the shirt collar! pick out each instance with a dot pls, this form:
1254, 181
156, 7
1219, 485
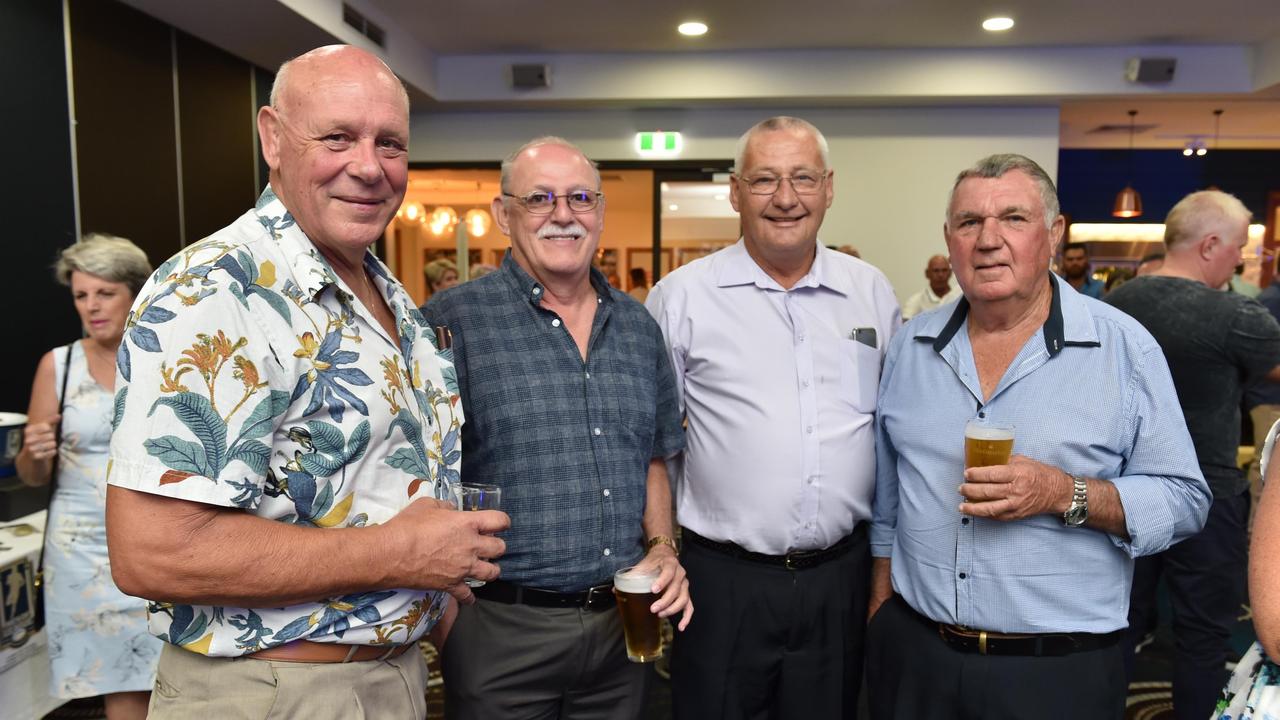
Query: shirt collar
740, 269
526, 286
1069, 323
311, 271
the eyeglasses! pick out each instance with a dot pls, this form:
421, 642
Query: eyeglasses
541, 202
806, 182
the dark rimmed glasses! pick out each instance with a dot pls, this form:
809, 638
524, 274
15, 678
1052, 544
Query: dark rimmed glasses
543, 202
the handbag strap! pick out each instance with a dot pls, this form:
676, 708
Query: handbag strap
53, 468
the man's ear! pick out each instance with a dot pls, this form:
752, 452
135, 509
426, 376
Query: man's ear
498, 209
269, 129
1207, 245
1056, 231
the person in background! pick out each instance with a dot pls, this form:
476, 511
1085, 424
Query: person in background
776, 343
571, 410
441, 275
607, 262
850, 251
1001, 589
1076, 271
1117, 277
479, 270
938, 291
98, 639
1239, 285
639, 285
283, 470
1150, 263
1216, 343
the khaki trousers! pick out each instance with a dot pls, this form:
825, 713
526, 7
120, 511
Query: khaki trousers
190, 686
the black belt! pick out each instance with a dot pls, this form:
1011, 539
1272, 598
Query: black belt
983, 642
599, 597
795, 560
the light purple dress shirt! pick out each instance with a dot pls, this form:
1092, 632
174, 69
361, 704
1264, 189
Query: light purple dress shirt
779, 391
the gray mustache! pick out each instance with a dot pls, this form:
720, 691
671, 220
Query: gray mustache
574, 229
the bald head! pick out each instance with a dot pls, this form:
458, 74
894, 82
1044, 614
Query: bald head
297, 74
529, 151
938, 273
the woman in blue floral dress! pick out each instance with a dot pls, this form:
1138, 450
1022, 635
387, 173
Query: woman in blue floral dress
1253, 692
98, 638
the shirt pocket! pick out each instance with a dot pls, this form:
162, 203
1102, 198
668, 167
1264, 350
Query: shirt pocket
859, 374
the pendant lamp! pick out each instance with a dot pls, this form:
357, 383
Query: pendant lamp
1128, 201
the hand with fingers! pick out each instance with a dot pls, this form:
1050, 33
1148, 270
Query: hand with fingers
439, 546
1023, 488
672, 585
39, 439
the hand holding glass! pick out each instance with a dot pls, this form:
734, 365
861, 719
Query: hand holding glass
474, 496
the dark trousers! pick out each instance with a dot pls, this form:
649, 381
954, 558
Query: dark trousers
530, 663
771, 643
1205, 575
912, 674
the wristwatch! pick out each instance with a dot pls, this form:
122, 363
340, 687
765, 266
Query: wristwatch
1079, 510
657, 540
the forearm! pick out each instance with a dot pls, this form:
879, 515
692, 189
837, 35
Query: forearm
657, 518
1264, 553
173, 550
1106, 512
881, 584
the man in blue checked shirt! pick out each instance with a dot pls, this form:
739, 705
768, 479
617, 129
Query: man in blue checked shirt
1002, 591
571, 408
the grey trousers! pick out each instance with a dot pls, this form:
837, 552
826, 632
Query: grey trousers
190, 686
520, 662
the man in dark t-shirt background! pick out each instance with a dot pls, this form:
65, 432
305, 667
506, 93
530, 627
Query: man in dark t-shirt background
1216, 343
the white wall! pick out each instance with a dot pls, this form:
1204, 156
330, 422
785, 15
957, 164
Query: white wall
893, 166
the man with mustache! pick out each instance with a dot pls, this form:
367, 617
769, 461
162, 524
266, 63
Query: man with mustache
571, 410
777, 343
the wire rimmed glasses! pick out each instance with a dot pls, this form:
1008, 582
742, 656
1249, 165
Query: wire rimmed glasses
543, 202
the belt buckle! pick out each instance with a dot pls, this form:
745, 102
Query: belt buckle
982, 642
597, 597
791, 560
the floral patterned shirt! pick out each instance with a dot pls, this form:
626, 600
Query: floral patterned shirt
251, 377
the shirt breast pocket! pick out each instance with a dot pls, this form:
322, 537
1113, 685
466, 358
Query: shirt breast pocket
859, 374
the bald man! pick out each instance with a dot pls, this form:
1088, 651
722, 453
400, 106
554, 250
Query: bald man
937, 292
287, 433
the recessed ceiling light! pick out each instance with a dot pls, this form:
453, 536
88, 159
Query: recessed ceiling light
692, 29
722, 197
997, 24
673, 207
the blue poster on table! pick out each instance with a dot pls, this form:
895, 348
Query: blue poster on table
17, 603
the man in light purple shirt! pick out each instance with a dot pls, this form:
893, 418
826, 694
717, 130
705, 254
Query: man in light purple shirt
777, 344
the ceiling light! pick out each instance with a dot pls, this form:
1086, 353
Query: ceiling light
1201, 151
997, 24
1187, 150
692, 29
673, 207
722, 196
1128, 201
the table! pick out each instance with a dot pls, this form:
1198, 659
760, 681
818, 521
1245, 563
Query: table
24, 670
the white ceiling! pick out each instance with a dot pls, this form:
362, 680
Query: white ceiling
817, 53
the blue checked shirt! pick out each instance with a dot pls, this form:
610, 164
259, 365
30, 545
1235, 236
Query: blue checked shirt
569, 441
1089, 393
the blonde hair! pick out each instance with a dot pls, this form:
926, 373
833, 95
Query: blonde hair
109, 257
1201, 213
436, 269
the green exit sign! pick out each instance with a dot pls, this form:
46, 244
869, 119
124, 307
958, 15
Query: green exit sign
659, 143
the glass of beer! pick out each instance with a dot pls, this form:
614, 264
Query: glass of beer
987, 443
475, 496
640, 627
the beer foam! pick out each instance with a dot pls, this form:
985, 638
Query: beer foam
629, 581
987, 432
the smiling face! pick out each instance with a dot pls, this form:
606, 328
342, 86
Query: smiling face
103, 307
337, 147
559, 246
1000, 247
784, 223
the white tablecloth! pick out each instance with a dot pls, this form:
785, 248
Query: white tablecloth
24, 670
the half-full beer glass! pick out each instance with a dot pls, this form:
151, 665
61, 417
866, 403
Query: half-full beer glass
987, 443
639, 626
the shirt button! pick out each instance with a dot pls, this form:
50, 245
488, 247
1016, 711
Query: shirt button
606, 492
804, 383
607, 551
537, 291
595, 431
962, 575
588, 376
809, 429
800, 338
555, 323
964, 521
812, 481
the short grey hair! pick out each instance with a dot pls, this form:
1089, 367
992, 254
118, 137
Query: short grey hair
281, 80
1200, 214
781, 122
509, 161
111, 258
996, 166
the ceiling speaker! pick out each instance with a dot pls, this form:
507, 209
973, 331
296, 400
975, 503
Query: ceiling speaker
529, 77
1150, 70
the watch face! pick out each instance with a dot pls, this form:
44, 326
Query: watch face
1076, 516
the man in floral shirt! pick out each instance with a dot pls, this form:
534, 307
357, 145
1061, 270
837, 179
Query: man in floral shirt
286, 431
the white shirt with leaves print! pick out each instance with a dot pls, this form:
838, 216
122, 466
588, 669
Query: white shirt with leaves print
251, 377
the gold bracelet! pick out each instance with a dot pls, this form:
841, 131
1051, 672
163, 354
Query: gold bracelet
657, 540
